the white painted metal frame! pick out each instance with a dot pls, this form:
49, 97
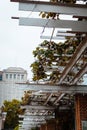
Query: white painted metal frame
38, 6
63, 34
79, 74
54, 88
37, 107
48, 98
76, 55
61, 95
78, 26
36, 116
54, 37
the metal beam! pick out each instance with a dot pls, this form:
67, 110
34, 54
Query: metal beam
64, 34
60, 36
77, 32
48, 98
79, 74
54, 38
59, 98
54, 88
28, 125
80, 17
73, 59
32, 121
80, 26
61, 8
36, 116
37, 107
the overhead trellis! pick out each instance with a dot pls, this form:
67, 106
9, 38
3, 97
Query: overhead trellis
62, 7
55, 60
60, 65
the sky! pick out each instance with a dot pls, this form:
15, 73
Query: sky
16, 42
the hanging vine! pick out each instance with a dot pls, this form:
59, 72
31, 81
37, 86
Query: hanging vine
51, 56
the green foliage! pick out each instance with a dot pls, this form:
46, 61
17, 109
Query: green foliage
50, 55
48, 15
26, 97
38, 70
16, 128
13, 109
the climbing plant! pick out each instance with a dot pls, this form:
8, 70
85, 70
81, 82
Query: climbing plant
51, 58
26, 97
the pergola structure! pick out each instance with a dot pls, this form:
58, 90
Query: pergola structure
45, 98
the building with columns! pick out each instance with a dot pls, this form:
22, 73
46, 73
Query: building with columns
14, 74
9, 78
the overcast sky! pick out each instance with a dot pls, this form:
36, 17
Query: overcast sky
16, 42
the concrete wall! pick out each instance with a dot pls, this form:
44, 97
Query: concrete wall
9, 91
